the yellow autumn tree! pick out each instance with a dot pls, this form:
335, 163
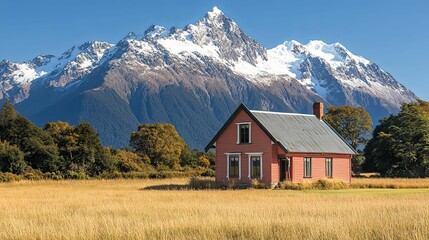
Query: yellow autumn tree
129, 161
160, 143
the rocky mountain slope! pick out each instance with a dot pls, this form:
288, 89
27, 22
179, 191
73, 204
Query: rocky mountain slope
194, 78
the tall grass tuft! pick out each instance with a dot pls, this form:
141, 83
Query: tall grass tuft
394, 183
321, 184
202, 183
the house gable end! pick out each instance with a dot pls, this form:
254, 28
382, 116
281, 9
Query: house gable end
240, 108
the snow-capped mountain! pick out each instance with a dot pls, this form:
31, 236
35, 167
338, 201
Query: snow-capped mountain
194, 78
16, 78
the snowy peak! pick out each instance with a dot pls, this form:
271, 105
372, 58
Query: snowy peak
216, 30
155, 31
215, 12
292, 46
72, 64
215, 17
215, 36
335, 54
131, 35
42, 60
76, 62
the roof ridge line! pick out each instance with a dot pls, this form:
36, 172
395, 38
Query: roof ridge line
282, 113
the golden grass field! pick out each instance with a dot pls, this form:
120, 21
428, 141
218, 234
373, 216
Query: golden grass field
120, 209
390, 183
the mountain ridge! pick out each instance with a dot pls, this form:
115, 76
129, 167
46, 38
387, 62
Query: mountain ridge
204, 70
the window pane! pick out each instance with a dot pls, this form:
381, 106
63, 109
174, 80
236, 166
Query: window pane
307, 167
329, 167
255, 162
244, 133
233, 166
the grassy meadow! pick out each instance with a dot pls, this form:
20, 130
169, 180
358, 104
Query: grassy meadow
123, 209
390, 183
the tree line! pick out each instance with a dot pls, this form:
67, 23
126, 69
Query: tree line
398, 146
63, 151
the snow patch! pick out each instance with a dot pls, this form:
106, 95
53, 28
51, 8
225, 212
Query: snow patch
25, 73
182, 43
214, 12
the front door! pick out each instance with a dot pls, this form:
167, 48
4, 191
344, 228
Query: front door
284, 168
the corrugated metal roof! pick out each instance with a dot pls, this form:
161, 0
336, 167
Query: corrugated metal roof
302, 133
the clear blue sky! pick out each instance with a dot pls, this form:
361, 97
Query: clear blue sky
391, 33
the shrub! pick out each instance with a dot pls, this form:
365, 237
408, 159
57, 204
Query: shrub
202, 183
209, 183
53, 176
208, 173
204, 161
322, 184
258, 184
76, 175
33, 176
129, 161
9, 177
135, 175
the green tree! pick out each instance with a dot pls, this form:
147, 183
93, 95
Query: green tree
80, 148
65, 137
106, 163
400, 144
90, 155
354, 124
188, 157
39, 149
7, 113
11, 158
160, 143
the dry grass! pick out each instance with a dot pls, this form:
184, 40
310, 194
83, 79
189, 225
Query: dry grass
390, 183
120, 209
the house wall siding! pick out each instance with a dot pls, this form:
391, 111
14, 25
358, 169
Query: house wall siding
275, 168
341, 168
227, 143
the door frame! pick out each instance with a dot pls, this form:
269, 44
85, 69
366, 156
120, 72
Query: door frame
284, 168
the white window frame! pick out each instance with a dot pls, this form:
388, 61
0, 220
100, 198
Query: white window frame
227, 164
238, 131
257, 154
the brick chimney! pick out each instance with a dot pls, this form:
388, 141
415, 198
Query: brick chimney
318, 109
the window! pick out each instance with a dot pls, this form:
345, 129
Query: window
234, 166
307, 167
328, 167
243, 133
255, 166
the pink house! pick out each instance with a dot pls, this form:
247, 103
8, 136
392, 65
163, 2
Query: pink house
273, 147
